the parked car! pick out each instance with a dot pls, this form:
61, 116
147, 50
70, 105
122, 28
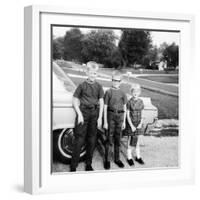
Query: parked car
63, 115
153, 66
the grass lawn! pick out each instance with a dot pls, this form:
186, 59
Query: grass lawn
109, 71
167, 105
162, 79
142, 81
136, 71
71, 71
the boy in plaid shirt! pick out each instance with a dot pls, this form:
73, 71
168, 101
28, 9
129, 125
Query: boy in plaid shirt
134, 126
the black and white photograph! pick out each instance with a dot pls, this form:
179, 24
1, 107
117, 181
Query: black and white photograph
115, 99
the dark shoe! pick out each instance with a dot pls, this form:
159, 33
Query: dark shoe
119, 163
139, 160
130, 162
107, 165
72, 169
89, 168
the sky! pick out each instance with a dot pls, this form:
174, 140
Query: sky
158, 37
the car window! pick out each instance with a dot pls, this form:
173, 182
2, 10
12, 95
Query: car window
65, 81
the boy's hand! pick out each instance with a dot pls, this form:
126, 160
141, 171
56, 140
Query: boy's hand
99, 123
139, 126
133, 128
105, 126
123, 125
80, 119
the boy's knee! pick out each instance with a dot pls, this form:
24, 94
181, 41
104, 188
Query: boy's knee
78, 141
117, 142
108, 142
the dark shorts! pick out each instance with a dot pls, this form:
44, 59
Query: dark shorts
134, 140
129, 132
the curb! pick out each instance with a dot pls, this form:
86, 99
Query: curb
160, 91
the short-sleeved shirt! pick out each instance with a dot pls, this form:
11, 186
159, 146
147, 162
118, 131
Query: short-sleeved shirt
89, 93
135, 106
115, 99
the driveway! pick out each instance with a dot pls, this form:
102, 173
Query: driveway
157, 152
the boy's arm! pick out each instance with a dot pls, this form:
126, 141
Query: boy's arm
129, 120
76, 103
141, 122
124, 121
105, 125
99, 122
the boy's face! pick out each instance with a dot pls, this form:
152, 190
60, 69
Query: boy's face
116, 81
136, 92
92, 74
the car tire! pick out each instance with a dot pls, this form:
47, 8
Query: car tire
63, 140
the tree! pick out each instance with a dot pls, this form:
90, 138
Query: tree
151, 56
58, 48
73, 45
98, 45
171, 53
134, 45
115, 59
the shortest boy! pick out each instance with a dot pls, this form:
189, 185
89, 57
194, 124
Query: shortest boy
114, 119
133, 128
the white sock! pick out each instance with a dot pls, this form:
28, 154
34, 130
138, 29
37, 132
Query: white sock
129, 153
137, 151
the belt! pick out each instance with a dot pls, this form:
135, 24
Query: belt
115, 111
94, 107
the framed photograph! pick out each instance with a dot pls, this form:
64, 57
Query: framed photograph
106, 99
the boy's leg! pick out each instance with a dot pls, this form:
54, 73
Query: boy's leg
136, 144
129, 152
80, 131
108, 149
91, 136
109, 138
109, 141
117, 136
129, 148
117, 146
137, 151
117, 140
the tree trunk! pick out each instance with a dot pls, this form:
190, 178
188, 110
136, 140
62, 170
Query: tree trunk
124, 63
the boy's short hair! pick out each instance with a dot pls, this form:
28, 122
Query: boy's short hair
92, 65
116, 73
135, 86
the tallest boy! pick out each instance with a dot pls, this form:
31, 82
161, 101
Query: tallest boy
88, 104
